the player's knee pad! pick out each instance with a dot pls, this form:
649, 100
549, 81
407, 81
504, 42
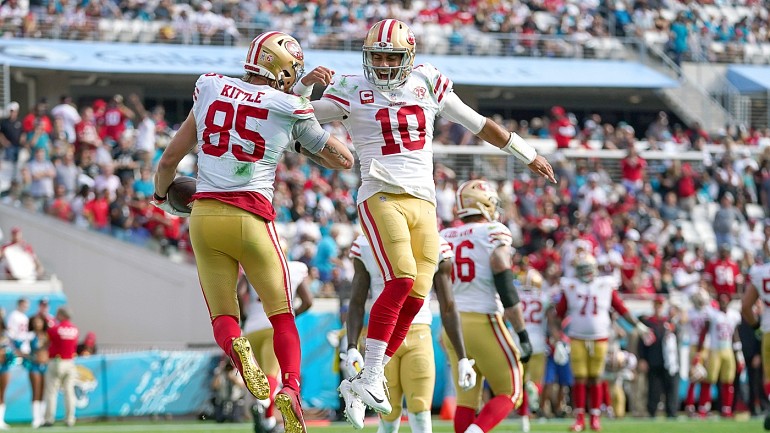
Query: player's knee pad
406, 266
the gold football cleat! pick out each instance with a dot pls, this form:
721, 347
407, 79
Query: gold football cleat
255, 378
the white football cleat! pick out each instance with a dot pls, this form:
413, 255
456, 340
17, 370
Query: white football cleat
369, 385
525, 424
355, 411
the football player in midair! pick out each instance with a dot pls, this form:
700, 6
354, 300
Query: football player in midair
485, 297
411, 373
587, 300
389, 112
259, 331
759, 288
241, 127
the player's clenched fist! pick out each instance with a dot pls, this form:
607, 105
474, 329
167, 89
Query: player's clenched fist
320, 75
466, 374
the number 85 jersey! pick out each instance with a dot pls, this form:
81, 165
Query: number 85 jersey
392, 130
243, 130
588, 306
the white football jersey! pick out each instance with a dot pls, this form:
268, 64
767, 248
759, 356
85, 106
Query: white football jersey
722, 327
243, 130
696, 320
392, 131
534, 304
256, 319
588, 307
473, 281
759, 275
362, 250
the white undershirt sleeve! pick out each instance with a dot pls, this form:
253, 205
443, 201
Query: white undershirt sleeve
327, 111
457, 111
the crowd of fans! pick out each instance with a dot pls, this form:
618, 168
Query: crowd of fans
731, 31
92, 166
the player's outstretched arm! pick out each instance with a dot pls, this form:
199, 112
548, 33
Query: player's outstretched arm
182, 143
488, 130
450, 318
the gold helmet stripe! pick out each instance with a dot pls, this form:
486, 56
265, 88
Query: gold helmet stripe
256, 48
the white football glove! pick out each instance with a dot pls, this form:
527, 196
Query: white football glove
163, 203
352, 362
466, 375
561, 353
648, 337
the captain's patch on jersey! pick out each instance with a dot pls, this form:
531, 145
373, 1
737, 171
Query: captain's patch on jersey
367, 96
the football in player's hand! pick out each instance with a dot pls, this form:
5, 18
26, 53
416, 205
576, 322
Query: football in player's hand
180, 193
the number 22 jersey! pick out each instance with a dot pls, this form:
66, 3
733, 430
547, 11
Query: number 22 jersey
392, 130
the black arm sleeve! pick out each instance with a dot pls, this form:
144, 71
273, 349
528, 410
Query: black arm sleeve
504, 285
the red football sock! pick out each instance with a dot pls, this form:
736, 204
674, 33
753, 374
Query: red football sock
767, 390
496, 410
579, 400
595, 393
728, 396
287, 348
606, 397
226, 330
464, 417
690, 399
273, 381
705, 396
524, 408
410, 309
385, 311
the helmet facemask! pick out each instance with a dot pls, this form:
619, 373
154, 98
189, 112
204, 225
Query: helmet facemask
388, 37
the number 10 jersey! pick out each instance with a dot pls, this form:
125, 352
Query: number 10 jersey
392, 130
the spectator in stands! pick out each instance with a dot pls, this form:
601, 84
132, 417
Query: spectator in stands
88, 346
21, 262
723, 274
61, 372
327, 253
115, 117
659, 359
561, 128
67, 173
69, 115
42, 173
38, 116
633, 170
10, 132
679, 36
726, 220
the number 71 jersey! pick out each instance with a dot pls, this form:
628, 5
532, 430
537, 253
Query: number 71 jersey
392, 130
588, 306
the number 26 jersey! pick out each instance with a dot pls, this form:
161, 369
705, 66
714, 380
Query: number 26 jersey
392, 130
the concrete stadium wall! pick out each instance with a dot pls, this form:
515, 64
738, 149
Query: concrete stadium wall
126, 294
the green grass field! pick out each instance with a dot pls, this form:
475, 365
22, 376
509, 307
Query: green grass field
560, 426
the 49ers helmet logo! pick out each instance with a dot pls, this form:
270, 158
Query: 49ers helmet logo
410, 37
294, 50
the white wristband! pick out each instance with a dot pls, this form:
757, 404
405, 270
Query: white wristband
302, 90
519, 148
